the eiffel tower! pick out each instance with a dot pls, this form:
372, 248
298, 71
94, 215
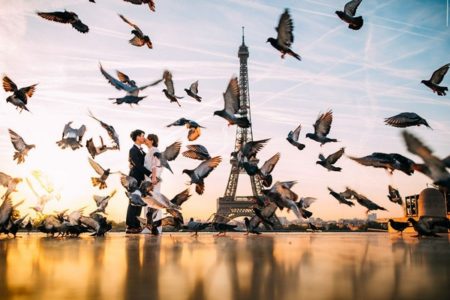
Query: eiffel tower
231, 206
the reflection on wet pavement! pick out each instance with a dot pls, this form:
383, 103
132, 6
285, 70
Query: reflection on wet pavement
271, 266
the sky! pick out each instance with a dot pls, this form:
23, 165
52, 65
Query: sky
363, 76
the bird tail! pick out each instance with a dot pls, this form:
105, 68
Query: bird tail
19, 156
200, 188
300, 146
98, 182
243, 122
298, 57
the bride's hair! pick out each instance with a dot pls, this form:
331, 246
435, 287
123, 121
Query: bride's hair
153, 138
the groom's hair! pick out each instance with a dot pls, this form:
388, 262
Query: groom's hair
154, 139
135, 133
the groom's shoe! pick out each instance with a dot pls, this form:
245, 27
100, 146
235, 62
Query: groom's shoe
133, 230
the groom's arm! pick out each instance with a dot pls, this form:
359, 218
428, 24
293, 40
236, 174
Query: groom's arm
135, 158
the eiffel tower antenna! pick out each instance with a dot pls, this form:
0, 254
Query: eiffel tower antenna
230, 205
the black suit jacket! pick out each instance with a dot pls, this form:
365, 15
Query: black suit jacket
136, 159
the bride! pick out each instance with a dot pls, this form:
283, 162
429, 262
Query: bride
153, 164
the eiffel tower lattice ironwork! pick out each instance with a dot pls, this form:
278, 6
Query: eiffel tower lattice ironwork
231, 206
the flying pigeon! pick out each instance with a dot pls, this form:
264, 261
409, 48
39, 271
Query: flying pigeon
399, 226
67, 17
328, 163
42, 199
364, 201
99, 181
193, 91
265, 171
159, 201
390, 162
248, 151
198, 174
9, 183
293, 138
348, 15
151, 3
434, 167
322, 129
94, 150
282, 195
303, 204
71, 137
194, 128
109, 129
285, 36
196, 152
169, 91
436, 79
139, 38
232, 106
394, 196
341, 199
102, 202
406, 119
135, 198
21, 147
169, 154
19, 98
129, 86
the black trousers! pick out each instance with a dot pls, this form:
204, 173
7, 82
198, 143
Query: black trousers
132, 213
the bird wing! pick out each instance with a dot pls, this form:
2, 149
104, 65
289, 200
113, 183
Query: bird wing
268, 166
9, 85
296, 133
194, 87
172, 151
231, 96
252, 148
207, 166
131, 24
439, 74
57, 16
128, 182
415, 146
446, 161
307, 201
323, 124
5, 210
80, 26
80, 132
167, 76
123, 77
192, 154
198, 148
98, 199
403, 119
350, 7
335, 156
96, 166
181, 197
67, 129
17, 141
285, 28
29, 90
114, 82
194, 133
150, 84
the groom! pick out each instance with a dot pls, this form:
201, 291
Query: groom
138, 171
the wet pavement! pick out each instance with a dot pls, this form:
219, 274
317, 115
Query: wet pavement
271, 266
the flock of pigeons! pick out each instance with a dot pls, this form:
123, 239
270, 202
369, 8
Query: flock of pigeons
275, 195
